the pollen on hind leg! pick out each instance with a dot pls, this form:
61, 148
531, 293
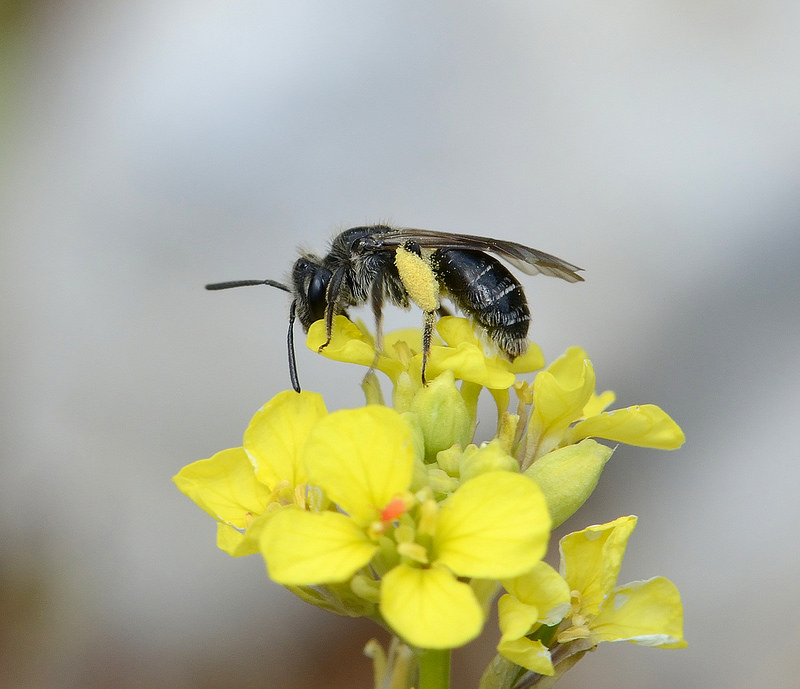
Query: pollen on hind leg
418, 279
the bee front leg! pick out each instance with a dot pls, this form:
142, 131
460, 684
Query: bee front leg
290, 346
331, 298
376, 300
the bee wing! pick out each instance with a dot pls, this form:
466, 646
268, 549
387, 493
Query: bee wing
529, 261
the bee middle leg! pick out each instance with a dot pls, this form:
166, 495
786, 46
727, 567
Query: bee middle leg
376, 301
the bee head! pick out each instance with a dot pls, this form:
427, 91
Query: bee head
310, 281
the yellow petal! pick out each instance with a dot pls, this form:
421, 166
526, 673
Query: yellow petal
455, 330
543, 588
468, 362
591, 559
237, 543
527, 653
411, 337
313, 548
598, 403
350, 344
230, 539
643, 612
643, 425
277, 433
495, 525
361, 458
430, 608
532, 360
465, 356
560, 393
501, 400
225, 486
515, 618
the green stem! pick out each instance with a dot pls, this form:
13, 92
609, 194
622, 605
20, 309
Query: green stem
434, 669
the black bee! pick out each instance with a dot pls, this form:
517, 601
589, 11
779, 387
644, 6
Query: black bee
379, 263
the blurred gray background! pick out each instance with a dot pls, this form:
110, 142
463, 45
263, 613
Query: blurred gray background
151, 147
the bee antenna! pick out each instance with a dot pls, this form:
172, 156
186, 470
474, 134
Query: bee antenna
290, 345
247, 283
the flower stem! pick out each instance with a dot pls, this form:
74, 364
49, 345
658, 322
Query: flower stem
434, 669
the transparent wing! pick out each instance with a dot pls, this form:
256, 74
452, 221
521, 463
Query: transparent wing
530, 261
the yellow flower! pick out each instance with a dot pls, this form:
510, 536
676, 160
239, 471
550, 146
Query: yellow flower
493, 525
564, 394
462, 354
419, 554
352, 343
539, 598
363, 460
242, 486
585, 599
643, 612
486, 368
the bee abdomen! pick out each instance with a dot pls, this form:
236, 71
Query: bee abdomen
485, 290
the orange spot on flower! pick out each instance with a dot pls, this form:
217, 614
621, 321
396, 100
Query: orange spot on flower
393, 510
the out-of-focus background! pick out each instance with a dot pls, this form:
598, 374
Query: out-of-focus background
150, 147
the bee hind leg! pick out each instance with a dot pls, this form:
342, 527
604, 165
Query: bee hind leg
427, 333
376, 300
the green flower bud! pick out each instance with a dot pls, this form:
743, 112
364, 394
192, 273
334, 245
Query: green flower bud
449, 460
372, 388
440, 482
568, 475
507, 430
442, 415
337, 598
404, 390
490, 457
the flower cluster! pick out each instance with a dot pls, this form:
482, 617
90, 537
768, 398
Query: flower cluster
391, 512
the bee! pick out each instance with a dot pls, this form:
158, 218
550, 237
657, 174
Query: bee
379, 263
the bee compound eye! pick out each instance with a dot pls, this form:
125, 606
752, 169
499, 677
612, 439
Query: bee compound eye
317, 287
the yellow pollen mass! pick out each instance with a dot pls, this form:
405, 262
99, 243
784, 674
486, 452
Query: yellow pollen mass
418, 279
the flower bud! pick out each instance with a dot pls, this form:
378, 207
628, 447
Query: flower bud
449, 460
568, 475
490, 457
404, 390
439, 481
442, 414
339, 598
